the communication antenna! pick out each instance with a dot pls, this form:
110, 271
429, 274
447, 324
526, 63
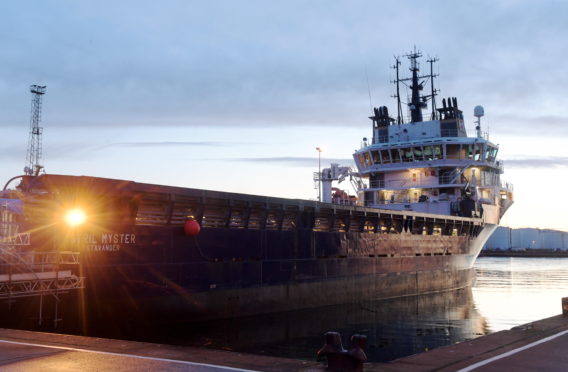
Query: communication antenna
33, 157
368, 88
396, 67
478, 112
431, 61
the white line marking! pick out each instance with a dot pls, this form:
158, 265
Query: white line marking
509, 353
129, 356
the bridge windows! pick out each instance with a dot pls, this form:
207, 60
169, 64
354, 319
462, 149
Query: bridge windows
491, 153
376, 157
367, 159
386, 156
396, 155
418, 154
361, 160
452, 151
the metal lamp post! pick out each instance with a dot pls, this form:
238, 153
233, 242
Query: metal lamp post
319, 150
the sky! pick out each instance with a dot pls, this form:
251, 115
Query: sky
236, 95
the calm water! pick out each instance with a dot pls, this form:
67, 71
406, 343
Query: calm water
508, 292
513, 291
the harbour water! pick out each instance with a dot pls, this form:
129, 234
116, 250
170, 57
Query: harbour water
508, 292
513, 291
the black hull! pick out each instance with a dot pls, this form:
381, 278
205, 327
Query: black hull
253, 255
256, 272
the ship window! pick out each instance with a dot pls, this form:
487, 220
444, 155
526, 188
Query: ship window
428, 153
407, 155
437, 152
468, 151
367, 159
452, 151
418, 155
385, 155
376, 157
397, 155
478, 151
492, 154
361, 161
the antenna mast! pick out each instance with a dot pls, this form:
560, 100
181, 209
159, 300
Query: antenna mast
33, 157
397, 96
434, 91
416, 103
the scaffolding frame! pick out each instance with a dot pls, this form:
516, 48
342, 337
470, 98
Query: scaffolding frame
28, 273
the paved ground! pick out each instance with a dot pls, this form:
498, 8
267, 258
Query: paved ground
538, 346
36, 351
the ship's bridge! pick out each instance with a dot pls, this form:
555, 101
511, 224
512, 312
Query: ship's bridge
426, 153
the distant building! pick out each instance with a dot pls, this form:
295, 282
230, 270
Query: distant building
505, 238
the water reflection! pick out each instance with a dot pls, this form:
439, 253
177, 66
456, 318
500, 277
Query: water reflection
511, 290
394, 328
508, 292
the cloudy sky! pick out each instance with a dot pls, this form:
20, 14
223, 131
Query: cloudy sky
236, 95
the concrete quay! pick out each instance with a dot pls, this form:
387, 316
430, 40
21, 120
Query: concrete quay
48, 352
535, 346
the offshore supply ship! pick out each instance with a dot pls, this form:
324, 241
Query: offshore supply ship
428, 197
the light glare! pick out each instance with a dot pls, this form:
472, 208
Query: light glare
75, 217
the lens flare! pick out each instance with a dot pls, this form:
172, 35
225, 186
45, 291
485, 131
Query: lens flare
75, 217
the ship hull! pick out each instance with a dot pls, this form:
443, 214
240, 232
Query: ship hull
252, 255
310, 269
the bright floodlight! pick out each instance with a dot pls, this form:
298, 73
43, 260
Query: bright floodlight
75, 217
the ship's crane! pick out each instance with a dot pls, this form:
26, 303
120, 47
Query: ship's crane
328, 175
33, 157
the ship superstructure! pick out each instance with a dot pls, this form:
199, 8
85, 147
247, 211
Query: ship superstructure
431, 166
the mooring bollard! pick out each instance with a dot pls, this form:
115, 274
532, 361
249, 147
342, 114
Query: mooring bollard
339, 359
565, 306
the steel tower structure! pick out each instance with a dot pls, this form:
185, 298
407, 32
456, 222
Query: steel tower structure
33, 166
